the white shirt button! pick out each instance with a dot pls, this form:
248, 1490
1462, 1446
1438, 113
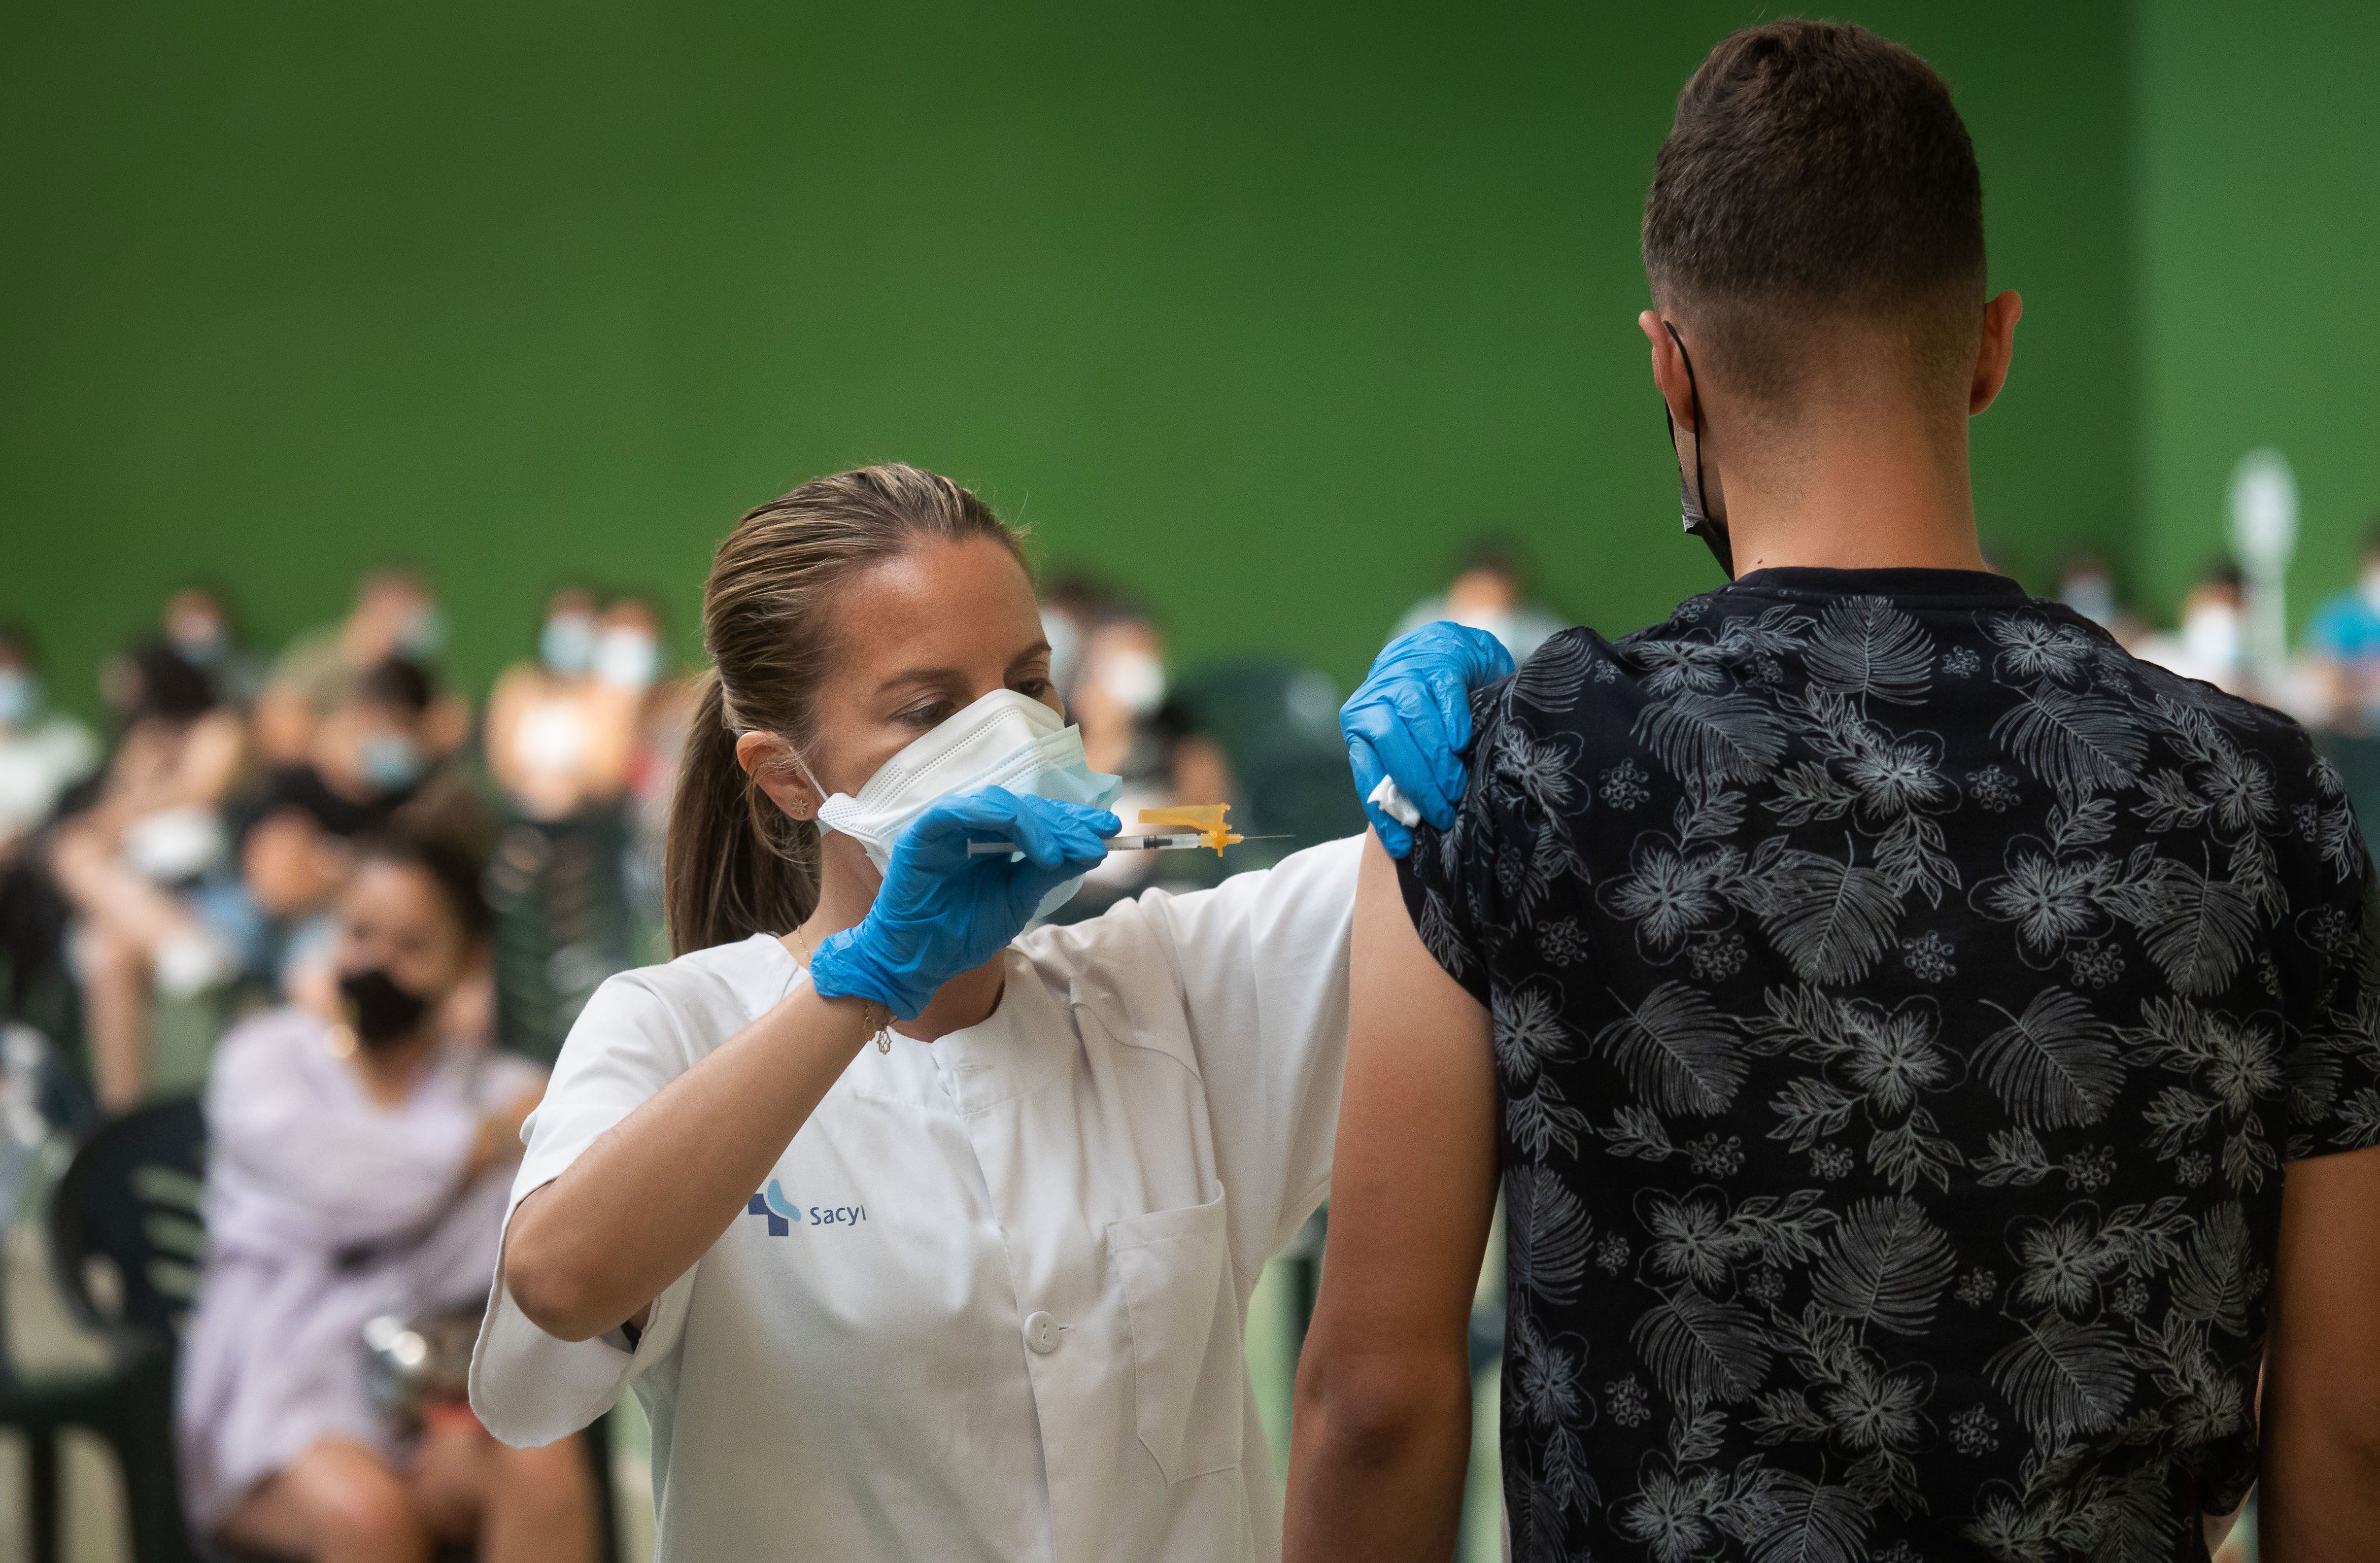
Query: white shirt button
1041, 1333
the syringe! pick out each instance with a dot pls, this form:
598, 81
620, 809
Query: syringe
1212, 833
1115, 844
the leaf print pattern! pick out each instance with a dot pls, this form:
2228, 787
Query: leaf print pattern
2054, 1064
1676, 1050
1868, 647
1888, 1265
1865, 960
1830, 920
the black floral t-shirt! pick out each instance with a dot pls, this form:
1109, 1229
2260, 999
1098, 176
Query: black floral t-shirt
1903, 1003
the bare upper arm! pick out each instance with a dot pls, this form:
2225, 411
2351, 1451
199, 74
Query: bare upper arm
1414, 1186
2320, 1416
2326, 1318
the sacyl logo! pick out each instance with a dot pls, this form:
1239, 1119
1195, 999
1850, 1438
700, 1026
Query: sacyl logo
783, 1215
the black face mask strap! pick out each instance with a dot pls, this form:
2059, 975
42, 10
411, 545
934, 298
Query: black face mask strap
1697, 519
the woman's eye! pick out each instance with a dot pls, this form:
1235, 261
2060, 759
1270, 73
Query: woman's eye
929, 715
1033, 689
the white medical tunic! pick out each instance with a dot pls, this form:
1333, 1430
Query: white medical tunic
988, 1303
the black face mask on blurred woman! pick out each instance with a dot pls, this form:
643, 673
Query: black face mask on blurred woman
380, 1011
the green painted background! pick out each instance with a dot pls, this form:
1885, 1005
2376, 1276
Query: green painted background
1263, 309
2259, 275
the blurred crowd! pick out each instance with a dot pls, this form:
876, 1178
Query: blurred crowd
194, 855
196, 858
236, 846
378, 907
2330, 681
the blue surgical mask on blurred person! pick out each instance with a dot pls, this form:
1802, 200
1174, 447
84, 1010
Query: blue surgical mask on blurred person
392, 761
626, 659
1134, 680
1003, 740
567, 646
20, 694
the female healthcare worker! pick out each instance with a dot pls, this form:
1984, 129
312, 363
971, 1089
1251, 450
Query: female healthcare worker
976, 1290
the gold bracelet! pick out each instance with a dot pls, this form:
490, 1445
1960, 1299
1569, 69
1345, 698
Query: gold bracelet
883, 1027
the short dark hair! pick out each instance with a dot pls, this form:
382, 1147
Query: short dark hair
399, 684
444, 831
1814, 166
168, 686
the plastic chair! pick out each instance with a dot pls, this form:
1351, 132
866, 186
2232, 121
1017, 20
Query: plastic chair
124, 1243
562, 922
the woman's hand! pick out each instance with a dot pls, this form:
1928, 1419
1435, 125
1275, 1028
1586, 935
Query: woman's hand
943, 912
1410, 722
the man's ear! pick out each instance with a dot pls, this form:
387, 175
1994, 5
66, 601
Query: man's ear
1669, 375
769, 763
2001, 315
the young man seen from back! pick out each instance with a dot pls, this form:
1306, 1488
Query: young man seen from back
1929, 1056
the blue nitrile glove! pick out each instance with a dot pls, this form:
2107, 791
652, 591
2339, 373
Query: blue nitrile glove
942, 912
1410, 720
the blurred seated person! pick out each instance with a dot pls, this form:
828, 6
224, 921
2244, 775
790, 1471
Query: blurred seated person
2211, 644
357, 1170
2343, 644
628, 660
129, 862
199, 624
394, 616
1490, 593
43, 752
1120, 684
1137, 728
1073, 604
293, 861
558, 736
370, 751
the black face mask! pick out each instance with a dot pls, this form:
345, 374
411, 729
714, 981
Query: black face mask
380, 1011
1697, 521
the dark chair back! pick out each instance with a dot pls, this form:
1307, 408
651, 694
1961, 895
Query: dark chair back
559, 893
125, 1232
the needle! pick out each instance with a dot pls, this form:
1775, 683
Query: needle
1125, 843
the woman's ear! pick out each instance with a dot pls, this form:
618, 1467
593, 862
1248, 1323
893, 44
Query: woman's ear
767, 760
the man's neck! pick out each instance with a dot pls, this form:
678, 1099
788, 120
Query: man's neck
1854, 498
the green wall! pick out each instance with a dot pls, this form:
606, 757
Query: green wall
2260, 307
1263, 309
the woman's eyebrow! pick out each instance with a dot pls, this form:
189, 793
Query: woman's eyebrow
1038, 648
925, 677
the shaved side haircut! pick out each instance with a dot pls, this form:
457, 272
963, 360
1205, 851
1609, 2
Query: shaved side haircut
1817, 177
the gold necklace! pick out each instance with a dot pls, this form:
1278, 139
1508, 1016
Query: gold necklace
883, 1032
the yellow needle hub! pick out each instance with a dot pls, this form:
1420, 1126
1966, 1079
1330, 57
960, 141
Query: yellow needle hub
1205, 818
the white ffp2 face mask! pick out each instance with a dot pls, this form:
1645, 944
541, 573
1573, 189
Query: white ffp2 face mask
1003, 740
